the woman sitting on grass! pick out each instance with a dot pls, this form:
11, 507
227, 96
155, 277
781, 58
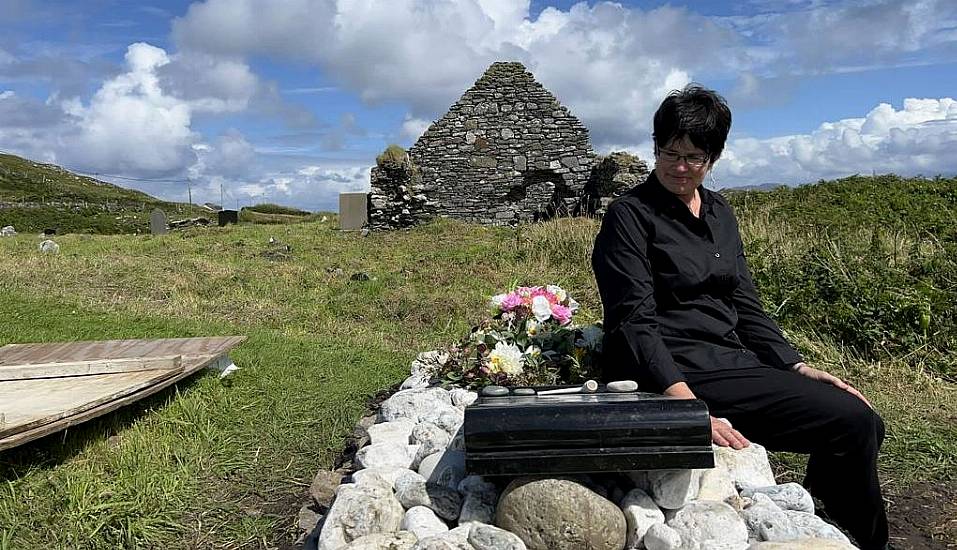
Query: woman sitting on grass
683, 318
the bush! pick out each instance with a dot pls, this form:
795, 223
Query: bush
268, 208
393, 157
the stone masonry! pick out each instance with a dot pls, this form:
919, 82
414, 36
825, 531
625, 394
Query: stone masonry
507, 152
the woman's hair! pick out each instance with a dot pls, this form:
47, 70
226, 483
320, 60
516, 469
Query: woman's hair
696, 112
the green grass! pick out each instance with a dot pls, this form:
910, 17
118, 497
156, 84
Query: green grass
268, 208
223, 465
38, 196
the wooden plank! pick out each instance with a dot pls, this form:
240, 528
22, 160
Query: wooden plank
24, 354
87, 368
190, 365
63, 397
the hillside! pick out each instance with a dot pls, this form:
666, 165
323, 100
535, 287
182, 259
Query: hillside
860, 273
35, 196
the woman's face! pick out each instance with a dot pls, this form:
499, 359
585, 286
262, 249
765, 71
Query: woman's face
681, 166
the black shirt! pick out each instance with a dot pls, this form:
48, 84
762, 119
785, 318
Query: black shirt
678, 298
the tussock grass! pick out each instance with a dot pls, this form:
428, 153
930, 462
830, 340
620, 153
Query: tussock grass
214, 465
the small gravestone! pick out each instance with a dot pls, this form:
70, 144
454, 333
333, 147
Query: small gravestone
227, 216
353, 210
158, 223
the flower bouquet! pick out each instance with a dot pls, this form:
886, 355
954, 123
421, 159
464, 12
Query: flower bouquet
529, 339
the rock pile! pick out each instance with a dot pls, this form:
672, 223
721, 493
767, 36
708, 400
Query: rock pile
411, 491
611, 178
396, 200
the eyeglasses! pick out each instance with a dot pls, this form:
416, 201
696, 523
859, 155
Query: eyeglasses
695, 161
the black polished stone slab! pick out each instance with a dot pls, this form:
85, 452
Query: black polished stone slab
585, 433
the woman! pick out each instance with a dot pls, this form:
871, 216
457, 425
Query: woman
682, 317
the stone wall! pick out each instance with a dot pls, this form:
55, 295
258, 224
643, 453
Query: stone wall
507, 152
612, 177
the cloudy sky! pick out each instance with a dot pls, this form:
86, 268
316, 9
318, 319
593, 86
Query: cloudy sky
289, 101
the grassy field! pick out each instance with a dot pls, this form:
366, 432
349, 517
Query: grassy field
35, 197
224, 465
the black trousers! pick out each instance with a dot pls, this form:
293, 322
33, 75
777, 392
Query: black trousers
785, 411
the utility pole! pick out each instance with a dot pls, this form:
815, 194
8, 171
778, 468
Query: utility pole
189, 191
222, 203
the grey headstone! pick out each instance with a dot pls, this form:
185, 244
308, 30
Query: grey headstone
158, 222
353, 210
227, 216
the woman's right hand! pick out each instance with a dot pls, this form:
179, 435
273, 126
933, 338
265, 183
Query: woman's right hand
724, 435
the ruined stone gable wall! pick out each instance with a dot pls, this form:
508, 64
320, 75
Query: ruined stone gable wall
506, 152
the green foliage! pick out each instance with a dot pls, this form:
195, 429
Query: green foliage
868, 262
224, 465
35, 196
394, 156
268, 208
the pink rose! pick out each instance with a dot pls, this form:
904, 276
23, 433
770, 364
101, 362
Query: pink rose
561, 313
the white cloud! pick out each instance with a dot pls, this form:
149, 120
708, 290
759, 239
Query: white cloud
609, 64
311, 187
919, 138
413, 127
131, 125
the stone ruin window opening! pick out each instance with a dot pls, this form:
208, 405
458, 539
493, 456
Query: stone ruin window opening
544, 191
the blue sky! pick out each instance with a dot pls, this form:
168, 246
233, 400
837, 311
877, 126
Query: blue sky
289, 101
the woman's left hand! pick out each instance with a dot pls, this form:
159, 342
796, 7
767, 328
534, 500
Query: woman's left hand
828, 378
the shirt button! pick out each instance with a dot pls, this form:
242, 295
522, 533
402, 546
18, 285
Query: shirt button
717, 254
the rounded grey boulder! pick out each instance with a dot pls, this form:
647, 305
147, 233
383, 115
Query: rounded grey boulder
532, 508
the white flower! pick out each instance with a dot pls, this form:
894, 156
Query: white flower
558, 291
531, 327
541, 308
506, 358
533, 351
495, 304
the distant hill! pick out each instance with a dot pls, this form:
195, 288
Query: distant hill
36, 196
761, 187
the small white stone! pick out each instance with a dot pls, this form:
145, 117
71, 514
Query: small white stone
489, 537
766, 521
661, 537
396, 432
447, 417
445, 468
423, 522
49, 247
415, 381
445, 502
716, 484
674, 488
641, 512
480, 498
386, 455
462, 398
702, 524
415, 404
430, 438
407, 478
622, 386
748, 466
803, 544
810, 526
788, 496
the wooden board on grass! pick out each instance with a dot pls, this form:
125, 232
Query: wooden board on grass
32, 408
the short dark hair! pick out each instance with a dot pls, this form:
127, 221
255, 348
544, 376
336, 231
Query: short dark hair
696, 112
